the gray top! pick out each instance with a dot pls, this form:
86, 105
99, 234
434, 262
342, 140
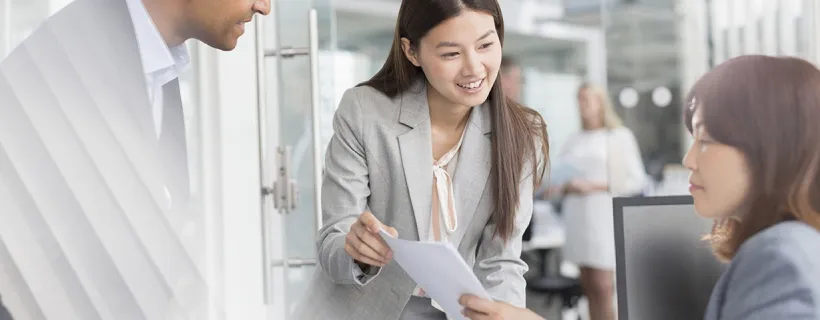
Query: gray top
775, 275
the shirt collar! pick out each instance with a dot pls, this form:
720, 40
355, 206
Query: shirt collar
154, 52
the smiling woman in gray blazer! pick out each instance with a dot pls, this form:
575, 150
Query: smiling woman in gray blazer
755, 165
429, 149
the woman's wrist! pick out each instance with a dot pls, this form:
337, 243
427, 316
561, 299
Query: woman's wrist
363, 266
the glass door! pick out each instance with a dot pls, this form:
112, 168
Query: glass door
295, 81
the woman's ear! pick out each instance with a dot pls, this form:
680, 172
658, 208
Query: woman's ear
409, 52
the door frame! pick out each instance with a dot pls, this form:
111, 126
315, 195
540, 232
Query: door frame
5, 28
230, 178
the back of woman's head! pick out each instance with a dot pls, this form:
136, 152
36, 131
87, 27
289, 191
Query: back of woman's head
768, 109
518, 134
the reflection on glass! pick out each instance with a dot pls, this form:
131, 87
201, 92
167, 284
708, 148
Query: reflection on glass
24, 17
295, 128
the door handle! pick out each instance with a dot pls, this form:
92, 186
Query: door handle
284, 190
312, 51
293, 262
314, 111
262, 112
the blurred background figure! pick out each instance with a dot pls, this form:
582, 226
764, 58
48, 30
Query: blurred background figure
512, 78
604, 161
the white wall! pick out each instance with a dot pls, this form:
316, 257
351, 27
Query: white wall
241, 211
231, 181
554, 96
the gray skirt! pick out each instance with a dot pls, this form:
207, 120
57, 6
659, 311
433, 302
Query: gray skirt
420, 309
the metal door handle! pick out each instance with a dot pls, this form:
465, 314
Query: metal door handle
287, 52
312, 51
294, 262
314, 110
284, 190
262, 108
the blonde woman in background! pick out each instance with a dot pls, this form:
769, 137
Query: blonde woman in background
607, 162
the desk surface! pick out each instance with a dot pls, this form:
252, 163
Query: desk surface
546, 237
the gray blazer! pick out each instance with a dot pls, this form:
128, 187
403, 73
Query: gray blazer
380, 159
775, 275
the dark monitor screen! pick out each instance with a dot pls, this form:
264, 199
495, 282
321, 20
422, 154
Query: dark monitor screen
664, 269
4, 314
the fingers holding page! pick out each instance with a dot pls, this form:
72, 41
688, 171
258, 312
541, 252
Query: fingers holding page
474, 303
361, 251
370, 222
364, 244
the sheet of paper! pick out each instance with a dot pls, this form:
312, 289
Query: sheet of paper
438, 269
562, 172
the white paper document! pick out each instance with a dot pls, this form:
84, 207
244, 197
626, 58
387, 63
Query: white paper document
438, 269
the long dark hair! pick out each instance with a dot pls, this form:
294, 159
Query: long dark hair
518, 133
766, 107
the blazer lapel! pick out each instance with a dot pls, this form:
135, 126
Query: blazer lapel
473, 169
416, 155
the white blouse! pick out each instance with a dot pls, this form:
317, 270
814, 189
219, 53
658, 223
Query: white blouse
443, 211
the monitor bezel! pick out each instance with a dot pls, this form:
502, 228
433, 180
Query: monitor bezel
618, 204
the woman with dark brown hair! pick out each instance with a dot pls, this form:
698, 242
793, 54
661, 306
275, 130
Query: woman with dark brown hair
755, 164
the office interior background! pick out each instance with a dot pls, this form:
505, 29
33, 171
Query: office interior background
259, 117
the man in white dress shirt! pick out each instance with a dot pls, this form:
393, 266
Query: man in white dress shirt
93, 167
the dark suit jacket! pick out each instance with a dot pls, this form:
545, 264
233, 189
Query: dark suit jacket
86, 228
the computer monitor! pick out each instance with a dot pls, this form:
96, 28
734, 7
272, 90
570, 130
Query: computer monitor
4, 314
664, 270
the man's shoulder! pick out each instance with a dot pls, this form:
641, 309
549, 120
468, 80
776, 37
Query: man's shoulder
81, 18
83, 29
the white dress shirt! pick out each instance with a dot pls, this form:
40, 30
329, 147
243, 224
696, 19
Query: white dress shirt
160, 63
